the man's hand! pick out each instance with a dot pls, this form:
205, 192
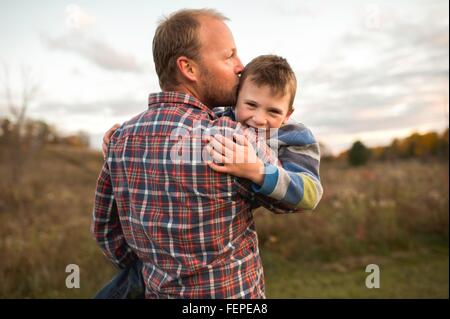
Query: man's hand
107, 137
238, 158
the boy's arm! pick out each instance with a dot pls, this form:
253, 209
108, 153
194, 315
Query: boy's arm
106, 227
226, 125
296, 183
244, 185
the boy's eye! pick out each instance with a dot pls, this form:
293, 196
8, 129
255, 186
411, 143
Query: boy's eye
252, 105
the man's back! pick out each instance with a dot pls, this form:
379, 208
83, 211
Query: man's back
190, 226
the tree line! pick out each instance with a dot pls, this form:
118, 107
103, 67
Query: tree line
35, 133
431, 145
20, 141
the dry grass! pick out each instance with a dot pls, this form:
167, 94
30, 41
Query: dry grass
45, 226
378, 210
368, 210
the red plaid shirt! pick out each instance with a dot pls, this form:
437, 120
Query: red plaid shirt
157, 200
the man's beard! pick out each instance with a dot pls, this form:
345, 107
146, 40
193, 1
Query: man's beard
214, 93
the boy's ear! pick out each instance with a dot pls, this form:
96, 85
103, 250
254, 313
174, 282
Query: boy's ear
288, 115
187, 68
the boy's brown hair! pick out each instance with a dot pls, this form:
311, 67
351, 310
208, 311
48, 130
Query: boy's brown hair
175, 36
273, 71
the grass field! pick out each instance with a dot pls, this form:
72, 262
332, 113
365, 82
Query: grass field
394, 215
402, 275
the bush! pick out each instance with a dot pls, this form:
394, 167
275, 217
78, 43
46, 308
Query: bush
358, 154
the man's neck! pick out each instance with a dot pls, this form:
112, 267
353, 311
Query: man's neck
186, 89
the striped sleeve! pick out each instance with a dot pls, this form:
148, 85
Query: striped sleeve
297, 182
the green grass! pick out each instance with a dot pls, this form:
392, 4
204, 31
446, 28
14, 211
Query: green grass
402, 275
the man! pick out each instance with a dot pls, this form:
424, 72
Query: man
191, 227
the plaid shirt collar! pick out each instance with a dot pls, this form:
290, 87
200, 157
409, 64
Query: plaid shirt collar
156, 99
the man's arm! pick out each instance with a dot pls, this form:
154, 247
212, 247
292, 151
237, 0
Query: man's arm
106, 227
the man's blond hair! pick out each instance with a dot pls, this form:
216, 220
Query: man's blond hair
175, 36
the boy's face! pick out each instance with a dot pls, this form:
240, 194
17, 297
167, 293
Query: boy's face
257, 107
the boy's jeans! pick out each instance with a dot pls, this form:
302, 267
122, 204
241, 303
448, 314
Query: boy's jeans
127, 284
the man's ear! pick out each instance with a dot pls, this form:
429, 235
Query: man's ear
187, 68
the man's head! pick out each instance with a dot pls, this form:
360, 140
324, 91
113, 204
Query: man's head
266, 92
194, 52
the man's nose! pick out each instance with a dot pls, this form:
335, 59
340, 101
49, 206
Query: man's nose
239, 67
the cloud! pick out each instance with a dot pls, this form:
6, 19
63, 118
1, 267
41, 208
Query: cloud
95, 50
384, 113
292, 8
123, 106
380, 80
80, 38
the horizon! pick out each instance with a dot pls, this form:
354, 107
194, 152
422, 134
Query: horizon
366, 71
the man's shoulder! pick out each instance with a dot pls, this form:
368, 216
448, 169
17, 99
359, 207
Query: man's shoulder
171, 121
165, 119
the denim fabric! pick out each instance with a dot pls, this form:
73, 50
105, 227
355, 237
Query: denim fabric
126, 284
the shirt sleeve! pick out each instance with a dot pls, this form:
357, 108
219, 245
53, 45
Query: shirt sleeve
227, 127
296, 183
106, 227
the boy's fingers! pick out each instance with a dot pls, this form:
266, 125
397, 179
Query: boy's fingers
226, 147
104, 150
217, 145
107, 137
217, 168
219, 158
226, 141
111, 131
240, 139
114, 127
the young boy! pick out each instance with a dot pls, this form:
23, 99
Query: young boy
265, 102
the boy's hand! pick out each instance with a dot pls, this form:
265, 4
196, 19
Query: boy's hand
107, 137
239, 158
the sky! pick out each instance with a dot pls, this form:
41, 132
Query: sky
366, 70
